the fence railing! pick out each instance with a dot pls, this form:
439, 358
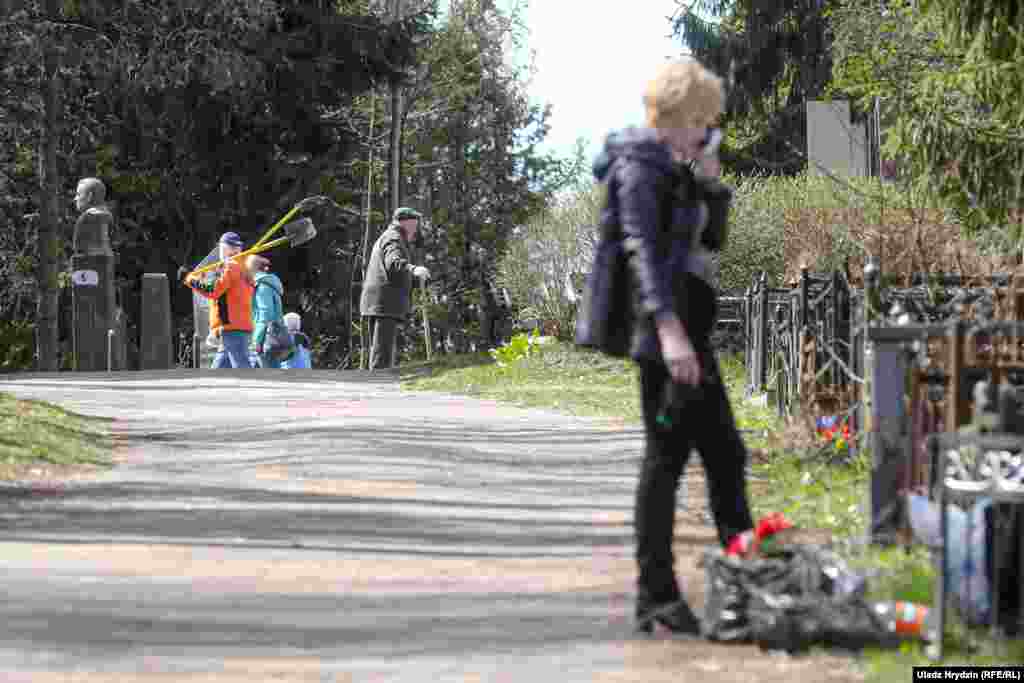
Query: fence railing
803, 344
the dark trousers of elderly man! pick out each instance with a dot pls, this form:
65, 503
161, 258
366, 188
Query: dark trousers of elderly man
384, 334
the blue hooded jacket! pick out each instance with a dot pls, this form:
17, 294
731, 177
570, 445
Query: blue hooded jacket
658, 226
267, 305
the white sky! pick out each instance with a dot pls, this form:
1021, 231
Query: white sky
592, 59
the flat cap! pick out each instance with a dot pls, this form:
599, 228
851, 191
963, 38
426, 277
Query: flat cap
404, 212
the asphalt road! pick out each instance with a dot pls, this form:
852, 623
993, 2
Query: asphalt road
323, 526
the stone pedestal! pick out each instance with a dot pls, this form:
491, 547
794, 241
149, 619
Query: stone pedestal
203, 354
156, 350
94, 309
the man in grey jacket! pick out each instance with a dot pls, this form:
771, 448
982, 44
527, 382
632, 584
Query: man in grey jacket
387, 286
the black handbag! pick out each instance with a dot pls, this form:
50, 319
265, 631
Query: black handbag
279, 343
604, 321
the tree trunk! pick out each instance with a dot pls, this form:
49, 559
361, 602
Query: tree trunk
47, 332
363, 327
460, 214
395, 152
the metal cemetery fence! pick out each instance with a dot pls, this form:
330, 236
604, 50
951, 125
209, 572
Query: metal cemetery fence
804, 344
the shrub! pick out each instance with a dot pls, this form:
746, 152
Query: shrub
828, 223
755, 243
779, 224
17, 346
519, 347
542, 265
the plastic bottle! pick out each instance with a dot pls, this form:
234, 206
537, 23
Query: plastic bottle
907, 619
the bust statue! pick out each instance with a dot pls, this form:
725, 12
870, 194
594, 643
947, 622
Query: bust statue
92, 230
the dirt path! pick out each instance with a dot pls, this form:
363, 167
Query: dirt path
330, 528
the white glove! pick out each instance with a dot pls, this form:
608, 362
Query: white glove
421, 272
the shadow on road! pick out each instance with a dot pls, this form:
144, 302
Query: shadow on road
212, 514
394, 626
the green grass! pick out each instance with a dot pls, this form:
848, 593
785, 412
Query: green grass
557, 377
35, 434
561, 377
815, 494
811, 492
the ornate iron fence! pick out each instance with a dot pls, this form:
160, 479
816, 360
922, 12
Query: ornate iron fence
803, 344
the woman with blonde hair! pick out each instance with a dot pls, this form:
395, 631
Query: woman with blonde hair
267, 307
657, 199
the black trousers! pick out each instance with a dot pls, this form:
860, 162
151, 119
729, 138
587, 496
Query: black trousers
383, 342
708, 426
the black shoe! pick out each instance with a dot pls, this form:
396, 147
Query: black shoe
677, 617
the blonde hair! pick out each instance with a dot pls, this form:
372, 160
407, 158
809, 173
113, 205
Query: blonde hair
257, 263
683, 94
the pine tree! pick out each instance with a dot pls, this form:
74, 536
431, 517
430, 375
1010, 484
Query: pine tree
775, 55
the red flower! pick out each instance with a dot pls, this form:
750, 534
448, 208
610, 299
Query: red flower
832, 433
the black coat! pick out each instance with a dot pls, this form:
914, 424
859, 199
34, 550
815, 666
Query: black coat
650, 200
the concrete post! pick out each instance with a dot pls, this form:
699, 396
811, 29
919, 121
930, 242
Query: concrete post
203, 357
157, 347
93, 306
119, 351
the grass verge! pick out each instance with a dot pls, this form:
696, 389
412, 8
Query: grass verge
558, 377
38, 438
564, 378
812, 492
